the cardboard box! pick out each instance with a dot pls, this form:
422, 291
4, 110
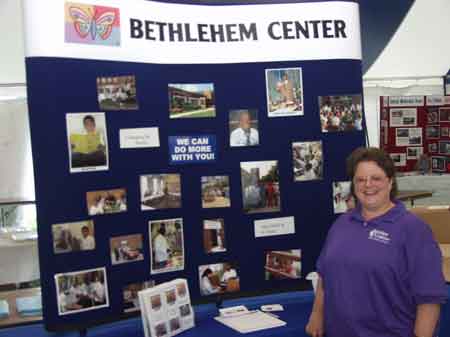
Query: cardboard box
439, 220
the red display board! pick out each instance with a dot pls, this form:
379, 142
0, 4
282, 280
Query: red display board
414, 125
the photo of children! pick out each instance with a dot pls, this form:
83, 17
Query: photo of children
432, 132
307, 161
439, 164
340, 113
432, 116
160, 191
181, 290
87, 140
192, 100
185, 310
175, 324
342, 198
130, 295
218, 278
171, 296
260, 186
444, 115
214, 236
81, 291
126, 248
444, 147
73, 236
285, 264
284, 89
156, 302
166, 245
215, 191
117, 93
107, 201
244, 127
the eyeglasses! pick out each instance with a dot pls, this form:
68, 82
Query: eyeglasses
374, 180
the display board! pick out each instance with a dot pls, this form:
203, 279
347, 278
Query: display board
412, 126
202, 142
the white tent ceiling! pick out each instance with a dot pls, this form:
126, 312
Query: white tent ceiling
420, 48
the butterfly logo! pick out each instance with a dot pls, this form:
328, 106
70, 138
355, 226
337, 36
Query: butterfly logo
96, 25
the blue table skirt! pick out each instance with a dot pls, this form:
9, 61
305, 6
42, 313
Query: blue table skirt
297, 309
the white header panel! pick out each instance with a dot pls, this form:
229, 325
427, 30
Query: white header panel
153, 32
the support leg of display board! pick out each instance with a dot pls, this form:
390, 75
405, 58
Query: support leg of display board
219, 302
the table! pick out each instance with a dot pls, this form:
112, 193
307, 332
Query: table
297, 309
11, 296
413, 195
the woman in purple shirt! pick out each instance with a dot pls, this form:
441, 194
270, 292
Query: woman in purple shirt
380, 268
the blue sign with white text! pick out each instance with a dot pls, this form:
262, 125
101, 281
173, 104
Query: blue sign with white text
192, 149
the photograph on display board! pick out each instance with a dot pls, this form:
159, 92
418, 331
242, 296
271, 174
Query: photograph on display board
432, 116
181, 290
87, 140
73, 236
433, 147
244, 127
408, 136
340, 113
414, 153
432, 132
439, 164
130, 295
107, 201
82, 290
185, 310
192, 100
445, 132
343, 199
126, 248
91, 24
444, 115
399, 159
117, 93
160, 191
161, 330
444, 147
283, 264
284, 90
166, 245
215, 191
260, 186
214, 236
307, 160
403, 117
218, 278
174, 324
171, 296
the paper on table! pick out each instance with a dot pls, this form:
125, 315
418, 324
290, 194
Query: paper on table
251, 321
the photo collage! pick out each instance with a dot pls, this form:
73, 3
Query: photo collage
420, 135
260, 188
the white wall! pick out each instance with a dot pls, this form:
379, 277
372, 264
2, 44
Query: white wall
12, 63
16, 167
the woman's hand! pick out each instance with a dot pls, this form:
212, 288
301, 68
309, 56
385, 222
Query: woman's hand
315, 326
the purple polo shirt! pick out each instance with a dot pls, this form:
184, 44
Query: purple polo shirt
375, 273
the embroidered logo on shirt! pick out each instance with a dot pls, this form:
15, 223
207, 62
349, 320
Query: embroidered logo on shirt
379, 236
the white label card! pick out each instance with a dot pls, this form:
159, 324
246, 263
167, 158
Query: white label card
275, 226
139, 138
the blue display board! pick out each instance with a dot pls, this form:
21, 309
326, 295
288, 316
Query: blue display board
280, 76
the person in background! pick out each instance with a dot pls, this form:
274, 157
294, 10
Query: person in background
380, 270
87, 241
228, 274
244, 135
161, 247
206, 285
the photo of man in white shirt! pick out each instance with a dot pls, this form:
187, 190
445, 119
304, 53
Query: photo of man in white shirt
87, 241
244, 134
